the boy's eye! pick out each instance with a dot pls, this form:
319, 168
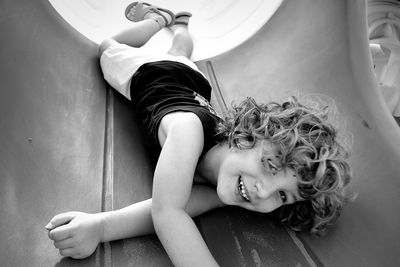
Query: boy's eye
272, 166
283, 196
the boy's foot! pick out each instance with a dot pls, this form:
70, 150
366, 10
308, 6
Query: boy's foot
182, 18
138, 11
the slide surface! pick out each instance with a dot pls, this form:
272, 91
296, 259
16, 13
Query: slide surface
216, 26
68, 142
321, 47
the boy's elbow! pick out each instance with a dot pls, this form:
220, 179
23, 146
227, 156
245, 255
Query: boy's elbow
160, 213
159, 216
158, 210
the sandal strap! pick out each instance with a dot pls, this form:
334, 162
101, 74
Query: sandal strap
181, 15
158, 11
146, 8
143, 9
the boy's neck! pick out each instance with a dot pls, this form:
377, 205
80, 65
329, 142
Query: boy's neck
210, 163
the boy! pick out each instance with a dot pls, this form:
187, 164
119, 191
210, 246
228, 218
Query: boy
260, 157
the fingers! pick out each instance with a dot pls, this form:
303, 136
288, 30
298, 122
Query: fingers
73, 234
69, 248
61, 219
61, 233
69, 252
65, 243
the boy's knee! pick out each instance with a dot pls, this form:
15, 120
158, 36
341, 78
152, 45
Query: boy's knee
105, 44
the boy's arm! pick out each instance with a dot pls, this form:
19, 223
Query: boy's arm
135, 220
172, 184
87, 230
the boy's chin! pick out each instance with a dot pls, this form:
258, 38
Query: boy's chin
224, 197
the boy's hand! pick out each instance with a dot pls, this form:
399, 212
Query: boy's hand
76, 234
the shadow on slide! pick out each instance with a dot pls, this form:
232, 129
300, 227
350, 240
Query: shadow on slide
68, 142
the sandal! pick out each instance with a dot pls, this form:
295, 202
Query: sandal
182, 18
142, 8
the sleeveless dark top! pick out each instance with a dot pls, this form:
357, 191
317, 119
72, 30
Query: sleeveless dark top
162, 87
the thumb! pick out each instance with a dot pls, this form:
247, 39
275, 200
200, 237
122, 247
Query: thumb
60, 219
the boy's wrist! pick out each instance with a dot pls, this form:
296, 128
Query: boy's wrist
101, 223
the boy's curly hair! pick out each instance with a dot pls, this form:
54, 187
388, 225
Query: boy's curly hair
307, 144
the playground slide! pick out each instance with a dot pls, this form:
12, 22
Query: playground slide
321, 47
68, 142
217, 26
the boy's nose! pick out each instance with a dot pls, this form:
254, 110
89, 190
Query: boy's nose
264, 190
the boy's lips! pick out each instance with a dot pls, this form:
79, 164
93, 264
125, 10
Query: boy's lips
242, 190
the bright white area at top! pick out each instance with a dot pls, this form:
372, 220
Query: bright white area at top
217, 26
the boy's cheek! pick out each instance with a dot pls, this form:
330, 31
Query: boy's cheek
222, 195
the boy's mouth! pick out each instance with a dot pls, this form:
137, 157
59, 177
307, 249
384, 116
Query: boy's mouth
242, 190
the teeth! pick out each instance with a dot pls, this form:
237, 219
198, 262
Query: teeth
242, 190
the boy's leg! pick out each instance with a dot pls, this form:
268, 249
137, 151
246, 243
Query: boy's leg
182, 43
138, 34
151, 21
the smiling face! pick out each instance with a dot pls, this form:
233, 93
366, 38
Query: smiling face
253, 179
